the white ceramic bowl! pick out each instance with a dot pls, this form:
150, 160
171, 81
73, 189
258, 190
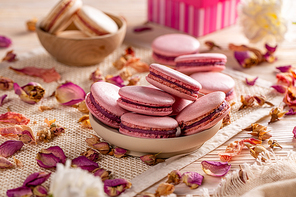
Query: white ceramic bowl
167, 147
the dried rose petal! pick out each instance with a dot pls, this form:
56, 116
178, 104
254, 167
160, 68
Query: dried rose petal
82, 107
14, 118
40, 191
285, 79
290, 97
270, 49
18, 162
48, 75
149, 159
69, 94
268, 56
251, 82
252, 141
125, 74
36, 178
247, 101
96, 76
133, 81
273, 143
13, 131
4, 42
31, 24
214, 168
145, 194
192, 179
6, 83
10, 147
114, 187
84, 163
48, 158
174, 177
212, 45
276, 113
233, 149
256, 150
291, 112
280, 88
120, 63
102, 147
142, 29
19, 192
102, 173
164, 189
136, 64
43, 108
129, 51
10, 57
284, 69
2, 99
92, 141
116, 80
294, 132
31, 93
91, 154
85, 123
245, 59
119, 152
5, 163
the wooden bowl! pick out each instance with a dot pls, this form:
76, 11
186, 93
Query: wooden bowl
82, 51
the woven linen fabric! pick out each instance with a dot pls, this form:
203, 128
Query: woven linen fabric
73, 141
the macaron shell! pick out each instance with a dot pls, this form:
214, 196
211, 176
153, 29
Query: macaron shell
193, 69
202, 57
106, 94
95, 20
179, 105
163, 61
175, 44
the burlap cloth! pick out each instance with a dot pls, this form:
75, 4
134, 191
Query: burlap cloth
73, 141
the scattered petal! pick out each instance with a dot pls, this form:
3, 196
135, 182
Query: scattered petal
133, 81
142, 29
4, 42
102, 147
256, 150
151, 160
252, 141
120, 63
85, 123
48, 75
164, 189
114, 187
269, 55
18, 162
82, 107
13, 131
40, 191
96, 76
270, 49
290, 97
102, 173
2, 99
10, 57
214, 168
251, 82
284, 69
145, 194
247, 101
138, 65
14, 118
84, 163
129, 51
174, 177
119, 152
69, 94
273, 143
31, 93
116, 80
10, 147
48, 158
294, 132
285, 79
36, 178
243, 176
19, 192
212, 45
5, 163
233, 149
280, 88
125, 74
6, 83
291, 112
276, 113
192, 179
92, 141
31, 24
43, 108
91, 154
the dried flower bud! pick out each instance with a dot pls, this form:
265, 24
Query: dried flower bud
102, 173
251, 82
133, 81
260, 131
261, 100
276, 114
120, 63
247, 101
31, 24
31, 93
192, 179
10, 147
96, 76
243, 175
114, 187
125, 74
273, 143
149, 159
40, 191
164, 189
91, 154
214, 168
136, 64
20, 191
119, 152
102, 147
6, 83
174, 177
84, 163
256, 150
27, 136
145, 194
10, 57
130, 51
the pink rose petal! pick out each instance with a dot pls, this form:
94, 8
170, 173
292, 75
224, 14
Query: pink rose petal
5, 163
84, 163
241, 56
27, 137
10, 147
142, 29
114, 187
36, 178
19, 192
13, 131
4, 42
251, 82
214, 168
69, 94
270, 49
48, 158
14, 118
48, 75
10, 57
102, 173
294, 132
284, 69
192, 179
2, 99
119, 152
40, 191
280, 88
116, 80
291, 112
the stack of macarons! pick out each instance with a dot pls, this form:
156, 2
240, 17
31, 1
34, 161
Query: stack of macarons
89, 20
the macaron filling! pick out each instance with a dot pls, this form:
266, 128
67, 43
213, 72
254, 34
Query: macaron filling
168, 58
200, 63
104, 111
229, 92
96, 31
208, 117
157, 76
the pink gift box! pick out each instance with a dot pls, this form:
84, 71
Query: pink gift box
195, 17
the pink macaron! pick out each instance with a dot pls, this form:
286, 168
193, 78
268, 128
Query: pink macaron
94, 22
142, 126
145, 100
179, 105
173, 82
200, 62
169, 46
204, 113
102, 103
215, 81
60, 16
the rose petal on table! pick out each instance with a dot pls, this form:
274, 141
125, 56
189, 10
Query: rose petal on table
294, 132
13, 131
270, 49
214, 168
116, 80
290, 97
136, 64
102, 147
119, 152
19, 192
5, 83
284, 69
57, 151
102, 173
27, 137
82, 107
114, 187
174, 177
164, 189
47, 160
142, 29
69, 94
31, 93
291, 112
93, 140
84, 163
40, 191
36, 178
233, 149
14, 118
47, 74
241, 57
5, 163
269, 55
252, 141
280, 88
150, 160
4, 42
18, 162
129, 51
10, 57
91, 154
251, 82
247, 101
10, 147
286, 79
192, 179
2, 99
96, 76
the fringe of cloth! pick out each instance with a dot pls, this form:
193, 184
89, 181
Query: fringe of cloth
249, 176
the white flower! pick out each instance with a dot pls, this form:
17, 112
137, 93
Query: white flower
262, 20
75, 182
